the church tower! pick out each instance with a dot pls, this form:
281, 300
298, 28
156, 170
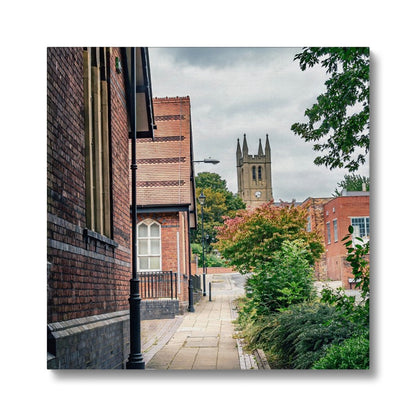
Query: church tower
254, 174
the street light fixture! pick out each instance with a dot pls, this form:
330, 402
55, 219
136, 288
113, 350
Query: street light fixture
209, 160
201, 200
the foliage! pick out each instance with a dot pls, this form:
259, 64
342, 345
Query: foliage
208, 180
332, 333
219, 202
353, 353
300, 335
211, 259
196, 249
352, 183
359, 313
338, 123
254, 236
285, 280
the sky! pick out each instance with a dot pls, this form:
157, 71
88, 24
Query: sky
256, 91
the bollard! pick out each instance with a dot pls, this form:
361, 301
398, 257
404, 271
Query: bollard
209, 291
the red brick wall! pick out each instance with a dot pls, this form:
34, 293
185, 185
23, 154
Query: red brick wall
86, 277
212, 270
164, 165
342, 209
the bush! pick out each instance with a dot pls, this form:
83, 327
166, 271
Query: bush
284, 281
299, 336
353, 353
305, 331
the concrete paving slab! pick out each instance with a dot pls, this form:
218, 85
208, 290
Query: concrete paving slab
206, 339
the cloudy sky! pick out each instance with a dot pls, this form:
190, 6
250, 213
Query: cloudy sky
256, 91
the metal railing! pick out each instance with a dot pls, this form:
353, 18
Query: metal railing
155, 285
196, 282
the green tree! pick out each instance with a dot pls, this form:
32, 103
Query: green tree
338, 123
352, 183
256, 235
219, 203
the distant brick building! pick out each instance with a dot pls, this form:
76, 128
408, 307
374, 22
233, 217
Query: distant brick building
166, 192
331, 217
352, 208
316, 222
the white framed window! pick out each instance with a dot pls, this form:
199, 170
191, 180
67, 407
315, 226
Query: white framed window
328, 232
361, 226
335, 225
309, 224
149, 245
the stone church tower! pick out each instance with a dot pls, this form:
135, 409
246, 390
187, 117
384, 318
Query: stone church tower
254, 174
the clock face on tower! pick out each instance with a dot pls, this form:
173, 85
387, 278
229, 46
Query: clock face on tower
258, 194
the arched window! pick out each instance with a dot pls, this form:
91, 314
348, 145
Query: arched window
149, 245
259, 173
253, 169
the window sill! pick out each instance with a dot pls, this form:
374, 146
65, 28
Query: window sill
92, 235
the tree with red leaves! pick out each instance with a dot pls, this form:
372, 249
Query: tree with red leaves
256, 235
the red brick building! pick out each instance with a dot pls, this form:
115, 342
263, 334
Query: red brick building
166, 193
315, 209
89, 224
352, 208
331, 217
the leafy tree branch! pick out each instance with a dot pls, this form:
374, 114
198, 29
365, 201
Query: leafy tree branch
338, 123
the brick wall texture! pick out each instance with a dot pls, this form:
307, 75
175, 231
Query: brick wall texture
164, 165
86, 277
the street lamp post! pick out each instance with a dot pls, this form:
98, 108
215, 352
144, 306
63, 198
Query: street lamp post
201, 200
207, 245
135, 359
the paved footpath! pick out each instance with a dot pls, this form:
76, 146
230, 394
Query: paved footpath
205, 339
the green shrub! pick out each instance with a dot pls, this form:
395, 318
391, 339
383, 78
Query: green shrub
305, 331
285, 280
299, 336
353, 353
